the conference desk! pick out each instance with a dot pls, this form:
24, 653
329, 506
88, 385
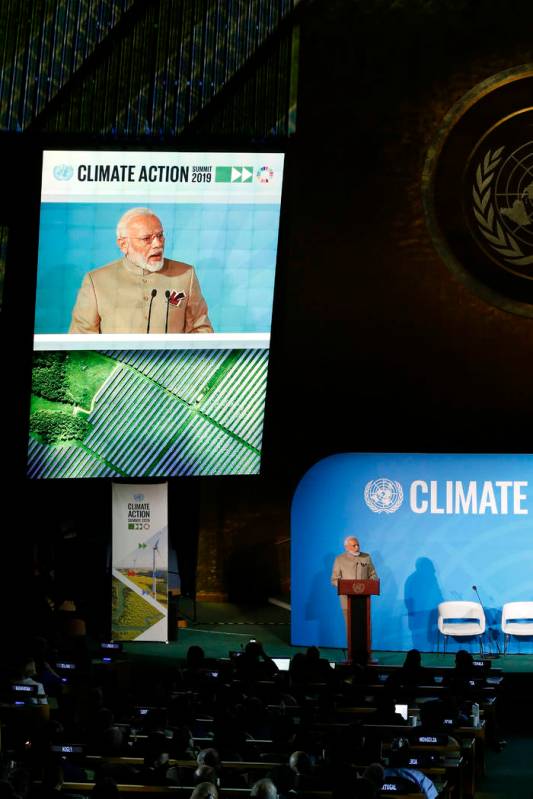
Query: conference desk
184, 791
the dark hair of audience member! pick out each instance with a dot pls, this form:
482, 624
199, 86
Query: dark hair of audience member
208, 757
464, 662
195, 657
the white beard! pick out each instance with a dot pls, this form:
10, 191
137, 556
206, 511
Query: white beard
138, 260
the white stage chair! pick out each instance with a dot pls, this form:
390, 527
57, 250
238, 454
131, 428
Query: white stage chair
461, 618
517, 619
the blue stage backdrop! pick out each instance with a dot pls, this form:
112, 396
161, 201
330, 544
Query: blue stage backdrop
435, 525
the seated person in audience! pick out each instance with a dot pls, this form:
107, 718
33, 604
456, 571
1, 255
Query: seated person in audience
317, 669
205, 790
197, 669
156, 769
411, 673
436, 714
209, 757
464, 683
264, 789
106, 738
254, 664
283, 778
227, 778
195, 658
459, 679
415, 777
298, 669
405, 778
206, 774
46, 674
183, 747
26, 674
305, 777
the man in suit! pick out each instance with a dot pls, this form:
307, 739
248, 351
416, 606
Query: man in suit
352, 565
142, 292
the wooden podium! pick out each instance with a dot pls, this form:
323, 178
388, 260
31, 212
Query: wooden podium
358, 593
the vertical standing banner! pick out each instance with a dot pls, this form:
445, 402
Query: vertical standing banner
140, 563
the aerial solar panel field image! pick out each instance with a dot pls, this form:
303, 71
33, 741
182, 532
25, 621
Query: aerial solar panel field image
146, 413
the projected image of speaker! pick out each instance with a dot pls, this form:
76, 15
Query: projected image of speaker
153, 312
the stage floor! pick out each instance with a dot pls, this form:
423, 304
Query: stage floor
220, 628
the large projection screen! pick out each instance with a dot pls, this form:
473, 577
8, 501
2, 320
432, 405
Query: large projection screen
154, 402
435, 525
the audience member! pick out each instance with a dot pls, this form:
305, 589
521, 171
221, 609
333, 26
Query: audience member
205, 790
411, 673
25, 674
254, 664
264, 789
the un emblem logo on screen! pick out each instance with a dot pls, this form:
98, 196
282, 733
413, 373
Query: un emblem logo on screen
63, 172
383, 495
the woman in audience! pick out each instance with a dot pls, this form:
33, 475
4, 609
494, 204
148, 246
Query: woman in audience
411, 673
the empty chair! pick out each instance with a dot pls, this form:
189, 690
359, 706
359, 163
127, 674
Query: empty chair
517, 619
461, 618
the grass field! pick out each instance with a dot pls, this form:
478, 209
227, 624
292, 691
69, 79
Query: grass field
40, 404
131, 614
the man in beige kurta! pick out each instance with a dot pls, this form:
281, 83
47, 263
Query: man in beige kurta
142, 292
352, 565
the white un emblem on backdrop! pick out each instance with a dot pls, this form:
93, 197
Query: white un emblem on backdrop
383, 495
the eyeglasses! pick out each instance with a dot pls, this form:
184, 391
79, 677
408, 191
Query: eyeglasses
149, 239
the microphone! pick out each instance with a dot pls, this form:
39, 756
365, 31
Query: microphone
154, 292
495, 639
167, 295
